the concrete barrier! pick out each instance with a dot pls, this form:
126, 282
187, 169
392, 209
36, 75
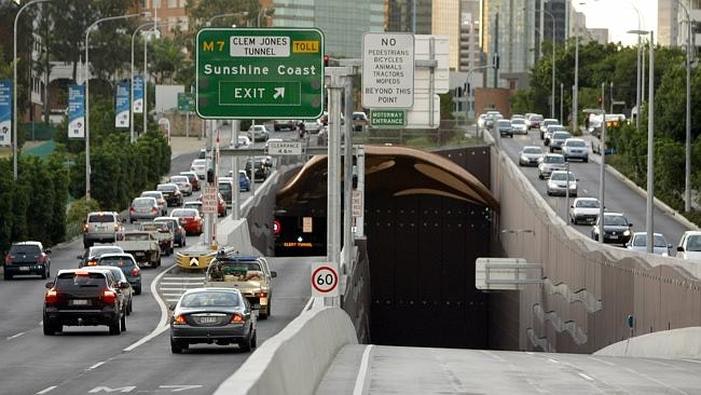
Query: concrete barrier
294, 361
673, 344
234, 233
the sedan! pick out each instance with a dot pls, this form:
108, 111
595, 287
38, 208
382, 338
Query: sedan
574, 148
559, 183
550, 163
199, 167
638, 242
214, 316
158, 195
27, 257
179, 235
544, 126
530, 155
127, 291
584, 210
183, 184
92, 254
549, 130
127, 264
171, 193
144, 208
190, 220
192, 177
519, 125
616, 229
558, 140
504, 128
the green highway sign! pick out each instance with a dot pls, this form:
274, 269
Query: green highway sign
260, 73
387, 119
186, 102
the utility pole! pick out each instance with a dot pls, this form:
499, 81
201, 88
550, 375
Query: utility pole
649, 214
495, 60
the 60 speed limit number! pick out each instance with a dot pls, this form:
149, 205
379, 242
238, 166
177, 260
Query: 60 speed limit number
324, 280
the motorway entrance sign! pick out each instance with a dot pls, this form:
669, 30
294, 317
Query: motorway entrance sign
387, 119
260, 73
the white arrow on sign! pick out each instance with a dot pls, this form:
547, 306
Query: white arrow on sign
194, 262
279, 92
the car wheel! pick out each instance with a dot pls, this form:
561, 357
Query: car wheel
137, 290
177, 347
44, 273
245, 345
254, 341
115, 328
158, 262
49, 327
170, 251
123, 323
586, 159
6, 275
540, 176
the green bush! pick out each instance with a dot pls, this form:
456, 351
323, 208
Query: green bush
77, 213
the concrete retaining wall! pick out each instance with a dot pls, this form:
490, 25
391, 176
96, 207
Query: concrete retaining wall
589, 288
294, 361
356, 293
235, 233
673, 344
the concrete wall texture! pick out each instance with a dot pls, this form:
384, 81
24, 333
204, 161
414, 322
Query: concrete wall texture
589, 289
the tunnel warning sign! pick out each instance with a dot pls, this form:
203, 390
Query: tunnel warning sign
388, 70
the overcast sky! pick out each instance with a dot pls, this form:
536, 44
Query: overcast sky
619, 16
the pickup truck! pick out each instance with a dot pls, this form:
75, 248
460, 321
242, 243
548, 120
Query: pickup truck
249, 274
143, 246
162, 233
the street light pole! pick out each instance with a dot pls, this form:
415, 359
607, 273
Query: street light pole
575, 89
687, 172
15, 111
87, 94
210, 20
132, 138
649, 220
552, 84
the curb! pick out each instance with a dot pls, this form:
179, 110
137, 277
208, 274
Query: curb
675, 215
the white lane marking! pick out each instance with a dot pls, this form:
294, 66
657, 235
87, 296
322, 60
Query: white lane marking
692, 360
361, 382
47, 389
603, 361
180, 388
654, 380
97, 365
585, 377
553, 360
163, 323
15, 336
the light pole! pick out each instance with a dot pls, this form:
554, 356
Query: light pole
602, 165
552, 86
210, 20
575, 88
132, 138
562, 108
87, 93
687, 173
15, 111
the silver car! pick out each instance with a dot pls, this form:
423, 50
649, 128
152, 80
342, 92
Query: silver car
584, 210
549, 130
559, 183
158, 195
638, 242
574, 148
530, 155
544, 125
183, 184
213, 315
102, 227
557, 140
144, 208
550, 163
518, 125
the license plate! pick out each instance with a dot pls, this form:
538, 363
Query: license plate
208, 320
613, 237
79, 302
24, 268
139, 254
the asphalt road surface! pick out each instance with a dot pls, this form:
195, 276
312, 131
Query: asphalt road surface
85, 360
618, 197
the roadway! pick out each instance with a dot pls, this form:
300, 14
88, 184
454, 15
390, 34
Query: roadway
407, 370
87, 360
618, 196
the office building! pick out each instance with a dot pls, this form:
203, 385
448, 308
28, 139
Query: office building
343, 22
667, 22
470, 55
694, 7
553, 11
599, 35
170, 12
446, 22
399, 16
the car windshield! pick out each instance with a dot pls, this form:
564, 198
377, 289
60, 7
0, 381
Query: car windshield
589, 203
25, 249
536, 118
561, 136
576, 143
167, 188
168, 222
116, 261
199, 162
179, 179
72, 281
156, 195
184, 213
210, 299
224, 187
503, 123
518, 121
615, 220
101, 218
562, 177
532, 150
144, 202
99, 251
693, 243
640, 240
554, 159
137, 237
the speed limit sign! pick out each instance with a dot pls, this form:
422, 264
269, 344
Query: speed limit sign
324, 280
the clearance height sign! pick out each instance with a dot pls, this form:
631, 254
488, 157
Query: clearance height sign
260, 73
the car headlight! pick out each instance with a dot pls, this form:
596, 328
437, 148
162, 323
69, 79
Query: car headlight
626, 233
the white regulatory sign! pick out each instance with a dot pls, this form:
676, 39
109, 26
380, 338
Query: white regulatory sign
324, 280
357, 203
285, 148
209, 200
388, 70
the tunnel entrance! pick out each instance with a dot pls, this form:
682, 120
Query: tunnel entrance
426, 219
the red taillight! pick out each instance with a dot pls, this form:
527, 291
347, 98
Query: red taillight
135, 272
51, 296
262, 294
91, 262
132, 210
179, 320
154, 209
237, 318
109, 296
42, 259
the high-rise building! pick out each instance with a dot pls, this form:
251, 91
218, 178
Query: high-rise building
599, 35
399, 16
694, 7
446, 22
553, 11
170, 12
470, 50
343, 22
667, 22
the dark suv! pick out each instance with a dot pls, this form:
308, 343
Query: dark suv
127, 264
27, 257
171, 193
81, 297
261, 172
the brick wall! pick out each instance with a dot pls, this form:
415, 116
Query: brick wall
493, 98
